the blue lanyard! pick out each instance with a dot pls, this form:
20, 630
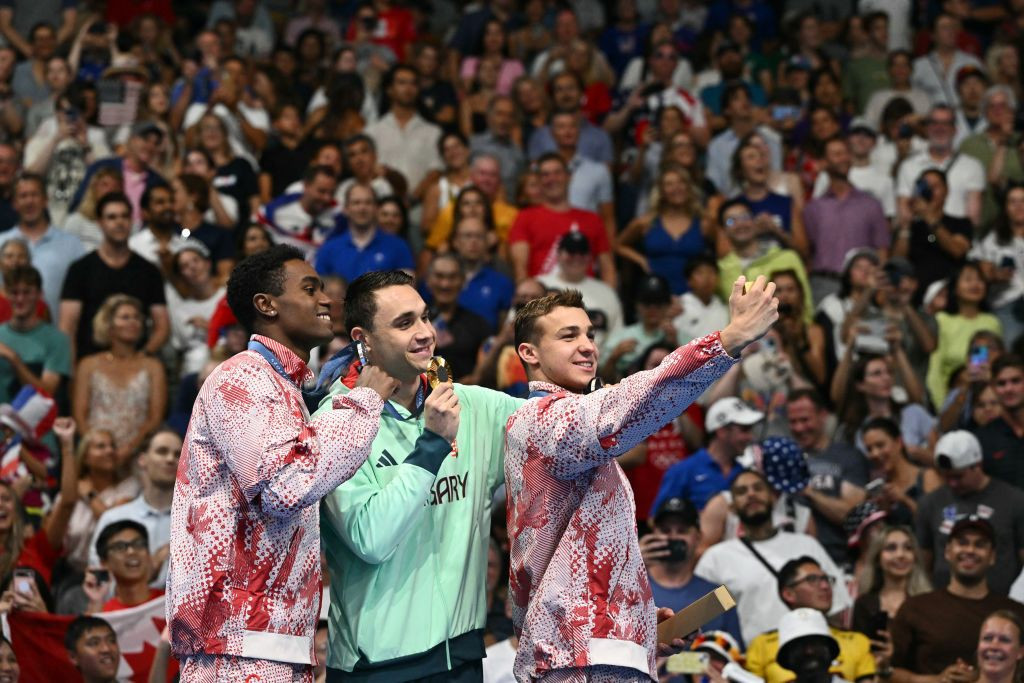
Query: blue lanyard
538, 393
269, 356
421, 397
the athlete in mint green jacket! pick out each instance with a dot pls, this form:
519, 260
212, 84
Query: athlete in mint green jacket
406, 538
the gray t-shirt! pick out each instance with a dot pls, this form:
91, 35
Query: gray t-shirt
838, 463
999, 502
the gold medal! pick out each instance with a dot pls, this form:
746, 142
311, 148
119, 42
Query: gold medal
438, 371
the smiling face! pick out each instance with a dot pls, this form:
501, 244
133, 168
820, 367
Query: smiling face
403, 338
810, 587
897, 557
1009, 388
877, 382
96, 654
13, 254
128, 557
883, 450
564, 352
970, 286
9, 669
8, 508
303, 310
970, 555
806, 422
127, 324
100, 454
999, 648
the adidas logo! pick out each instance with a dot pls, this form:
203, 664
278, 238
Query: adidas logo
386, 460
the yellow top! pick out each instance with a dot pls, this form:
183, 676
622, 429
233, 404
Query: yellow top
854, 662
440, 232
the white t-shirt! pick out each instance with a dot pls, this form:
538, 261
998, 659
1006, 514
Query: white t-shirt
682, 77
989, 249
871, 179
185, 336
884, 154
965, 175
899, 19
941, 86
599, 299
699, 319
755, 588
499, 662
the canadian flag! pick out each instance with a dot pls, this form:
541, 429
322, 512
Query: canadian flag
38, 641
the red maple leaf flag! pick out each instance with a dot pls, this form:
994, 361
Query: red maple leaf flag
38, 641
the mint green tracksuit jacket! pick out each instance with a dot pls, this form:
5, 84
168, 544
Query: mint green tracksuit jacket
406, 540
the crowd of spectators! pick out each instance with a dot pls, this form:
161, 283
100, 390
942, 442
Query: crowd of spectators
865, 460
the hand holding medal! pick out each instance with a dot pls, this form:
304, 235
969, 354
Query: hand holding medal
438, 373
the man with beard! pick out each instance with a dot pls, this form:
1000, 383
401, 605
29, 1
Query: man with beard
749, 566
160, 233
934, 634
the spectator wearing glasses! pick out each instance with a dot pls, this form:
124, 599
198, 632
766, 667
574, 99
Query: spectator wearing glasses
965, 174
749, 256
123, 549
802, 583
750, 566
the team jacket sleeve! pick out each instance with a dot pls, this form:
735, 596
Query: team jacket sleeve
373, 518
275, 453
581, 432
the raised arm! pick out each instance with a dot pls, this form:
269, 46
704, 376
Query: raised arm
587, 431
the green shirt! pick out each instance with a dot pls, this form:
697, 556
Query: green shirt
44, 348
406, 538
955, 332
775, 259
980, 146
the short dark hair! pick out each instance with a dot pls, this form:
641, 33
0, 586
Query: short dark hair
24, 275
789, 571
198, 189
360, 298
114, 528
80, 626
28, 176
262, 272
551, 156
320, 169
728, 204
731, 90
532, 311
389, 76
1007, 360
147, 194
109, 198
896, 54
810, 394
695, 262
355, 139
164, 428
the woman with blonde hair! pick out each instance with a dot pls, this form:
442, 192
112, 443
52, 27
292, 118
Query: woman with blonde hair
120, 389
663, 241
1000, 648
101, 485
892, 573
83, 222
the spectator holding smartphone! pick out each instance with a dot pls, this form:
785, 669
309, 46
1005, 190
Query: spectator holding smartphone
892, 573
123, 548
670, 553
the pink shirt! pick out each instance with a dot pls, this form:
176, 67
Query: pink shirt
134, 186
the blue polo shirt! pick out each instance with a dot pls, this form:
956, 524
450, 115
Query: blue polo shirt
488, 293
52, 255
697, 479
340, 256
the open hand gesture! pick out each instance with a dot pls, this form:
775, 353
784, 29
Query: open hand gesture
752, 312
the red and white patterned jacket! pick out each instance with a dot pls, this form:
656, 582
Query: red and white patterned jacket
578, 584
244, 575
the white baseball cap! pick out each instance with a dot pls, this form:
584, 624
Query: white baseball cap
802, 623
957, 450
729, 411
